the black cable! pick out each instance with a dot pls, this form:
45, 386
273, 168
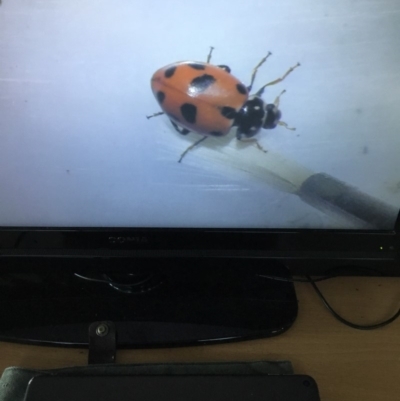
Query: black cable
313, 282
346, 322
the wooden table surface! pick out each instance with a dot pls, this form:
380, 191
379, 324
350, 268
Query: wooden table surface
347, 364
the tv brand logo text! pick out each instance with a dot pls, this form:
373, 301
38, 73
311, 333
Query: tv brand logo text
128, 240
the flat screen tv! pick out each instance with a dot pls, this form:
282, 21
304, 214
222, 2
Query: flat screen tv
160, 162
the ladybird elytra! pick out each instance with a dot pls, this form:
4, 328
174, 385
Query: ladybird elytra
199, 96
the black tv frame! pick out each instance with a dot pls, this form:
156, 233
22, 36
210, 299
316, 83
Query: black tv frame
68, 263
311, 252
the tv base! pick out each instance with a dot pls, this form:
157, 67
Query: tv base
175, 302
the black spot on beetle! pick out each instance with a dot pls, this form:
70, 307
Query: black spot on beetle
228, 112
197, 66
241, 89
224, 67
169, 72
189, 112
216, 133
160, 96
200, 84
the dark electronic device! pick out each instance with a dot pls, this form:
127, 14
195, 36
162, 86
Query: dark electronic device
99, 221
179, 388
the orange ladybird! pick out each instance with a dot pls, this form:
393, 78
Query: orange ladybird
208, 100
198, 96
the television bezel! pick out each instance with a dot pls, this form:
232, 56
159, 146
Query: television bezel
304, 251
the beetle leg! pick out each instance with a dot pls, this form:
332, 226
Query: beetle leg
155, 114
209, 54
191, 147
278, 98
258, 145
283, 124
253, 140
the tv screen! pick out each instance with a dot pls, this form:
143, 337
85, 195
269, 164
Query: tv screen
258, 135
76, 148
